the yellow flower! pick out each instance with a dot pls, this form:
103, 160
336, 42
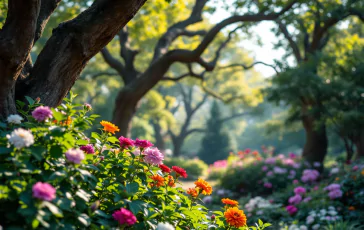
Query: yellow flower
109, 127
204, 187
235, 217
230, 202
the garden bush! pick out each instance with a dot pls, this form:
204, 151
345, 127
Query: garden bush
195, 167
53, 176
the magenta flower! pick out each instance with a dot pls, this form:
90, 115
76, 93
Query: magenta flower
296, 199
295, 181
268, 185
291, 209
126, 142
44, 191
42, 113
270, 173
292, 155
310, 175
335, 194
142, 143
75, 155
299, 190
264, 168
124, 216
355, 168
153, 156
89, 149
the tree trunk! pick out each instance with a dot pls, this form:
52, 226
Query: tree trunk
125, 108
177, 146
315, 148
159, 140
359, 144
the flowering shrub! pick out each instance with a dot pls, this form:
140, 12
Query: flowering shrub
195, 168
53, 176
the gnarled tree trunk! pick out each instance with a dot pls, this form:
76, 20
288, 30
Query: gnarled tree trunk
359, 144
315, 148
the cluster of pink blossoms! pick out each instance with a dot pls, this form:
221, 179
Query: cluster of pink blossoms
334, 191
44, 191
124, 216
310, 175
127, 142
42, 113
296, 199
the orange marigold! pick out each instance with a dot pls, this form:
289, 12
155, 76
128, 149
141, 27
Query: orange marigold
351, 208
66, 122
193, 192
109, 127
204, 187
159, 181
235, 217
230, 202
171, 181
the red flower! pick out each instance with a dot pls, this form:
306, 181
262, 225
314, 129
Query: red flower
179, 171
165, 168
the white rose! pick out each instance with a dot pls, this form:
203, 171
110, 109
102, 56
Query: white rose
14, 119
21, 138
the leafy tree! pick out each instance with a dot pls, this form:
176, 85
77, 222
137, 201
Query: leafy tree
216, 143
72, 44
300, 86
138, 79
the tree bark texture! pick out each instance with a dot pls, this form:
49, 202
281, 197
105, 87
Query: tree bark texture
72, 44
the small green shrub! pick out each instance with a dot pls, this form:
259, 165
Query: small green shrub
195, 168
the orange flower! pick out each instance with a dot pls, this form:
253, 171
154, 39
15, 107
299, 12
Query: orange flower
351, 208
337, 178
362, 172
109, 127
204, 187
193, 192
230, 202
235, 217
159, 181
66, 122
255, 153
171, 181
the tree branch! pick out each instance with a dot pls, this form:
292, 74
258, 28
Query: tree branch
246, 67
46, 9
233, 116
195, 131
113, 62
291, 42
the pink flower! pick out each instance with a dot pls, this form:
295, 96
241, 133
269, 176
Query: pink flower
295, 181
270, 173
75, 155
264, 168
332, 187
153, 156
291, 209
42, 113
335, 194
310, 175
124, 216
315, 188
268, 185
355, 168
289, 162
296, 199
87, 107
300, 190
44, 191
126, 142
307, 199
292, 155
142, 143
270, 160
89, 149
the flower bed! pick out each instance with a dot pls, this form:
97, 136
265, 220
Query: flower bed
54, 176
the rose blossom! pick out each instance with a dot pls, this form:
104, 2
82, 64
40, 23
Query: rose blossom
42, 113
75, 155
142, 143
153, 156
44, 191
296, 199
291, 209
300, 190
124, 216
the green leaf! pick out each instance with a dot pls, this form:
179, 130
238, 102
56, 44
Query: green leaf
81, 142
83, 195
260, 222
54, 209
113, 139
30, 100
137, 205
58, 115
35, 223
4, 150
132, 188
84, 219
56, 151
37, 152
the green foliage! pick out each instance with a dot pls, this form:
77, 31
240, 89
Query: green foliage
90, 191
195, 168
216, 143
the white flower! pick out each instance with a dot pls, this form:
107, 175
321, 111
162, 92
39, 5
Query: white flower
302, 227
310, 220
334, 170
316, 226
323, 212
165, 226
332, 212
331, 208
21, 138
14, 119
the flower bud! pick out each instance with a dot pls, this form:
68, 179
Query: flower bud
213, 217
87, 107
